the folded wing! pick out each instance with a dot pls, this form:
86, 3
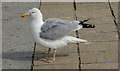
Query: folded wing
57, 28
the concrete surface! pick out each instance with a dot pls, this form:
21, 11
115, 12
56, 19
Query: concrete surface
16, 39
119, 42
101, 53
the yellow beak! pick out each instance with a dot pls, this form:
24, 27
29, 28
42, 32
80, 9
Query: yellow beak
24, 15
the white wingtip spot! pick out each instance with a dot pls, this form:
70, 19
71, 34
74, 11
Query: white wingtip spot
88, 42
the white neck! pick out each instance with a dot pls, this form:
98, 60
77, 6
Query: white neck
35, 26
36, 23
38, 18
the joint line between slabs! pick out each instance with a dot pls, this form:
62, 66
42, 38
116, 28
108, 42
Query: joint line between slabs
116, 26
77, 35
35, 44
33, 56
114, 19
40, 4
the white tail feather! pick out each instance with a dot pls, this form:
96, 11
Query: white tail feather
71, 39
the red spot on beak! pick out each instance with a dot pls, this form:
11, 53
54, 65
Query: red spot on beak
22, 16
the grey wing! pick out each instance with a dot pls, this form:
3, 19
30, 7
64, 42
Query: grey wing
57, 28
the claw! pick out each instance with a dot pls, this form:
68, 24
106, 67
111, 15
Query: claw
43, 59
50, 61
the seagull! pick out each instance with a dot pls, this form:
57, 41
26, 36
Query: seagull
53, 33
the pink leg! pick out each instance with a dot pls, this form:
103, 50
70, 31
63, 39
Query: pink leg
45, 59
49, 50
52, 60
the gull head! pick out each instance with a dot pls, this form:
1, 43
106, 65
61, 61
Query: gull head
34, 13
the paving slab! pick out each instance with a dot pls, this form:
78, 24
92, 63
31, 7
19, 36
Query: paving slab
100, 66
54, 10
57, 66
104, 38
115, 8
119, 28
100, 28
98, 37
96, 57
101, 53
17, 43
119, 13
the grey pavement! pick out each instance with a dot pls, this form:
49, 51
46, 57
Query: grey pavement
101, 53
17, 44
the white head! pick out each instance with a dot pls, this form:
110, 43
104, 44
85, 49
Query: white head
34, 13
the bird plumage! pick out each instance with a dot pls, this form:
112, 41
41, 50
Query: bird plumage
53, 33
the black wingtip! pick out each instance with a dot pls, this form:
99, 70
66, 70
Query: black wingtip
85, 20
81, 22
88, 26
93, 26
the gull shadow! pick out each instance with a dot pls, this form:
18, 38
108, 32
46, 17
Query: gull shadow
27, 55
19, 55
39, 55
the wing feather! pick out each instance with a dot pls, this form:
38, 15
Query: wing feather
57, 28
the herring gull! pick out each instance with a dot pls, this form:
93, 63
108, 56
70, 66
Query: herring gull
53, 33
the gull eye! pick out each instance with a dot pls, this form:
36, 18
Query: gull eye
33, 12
